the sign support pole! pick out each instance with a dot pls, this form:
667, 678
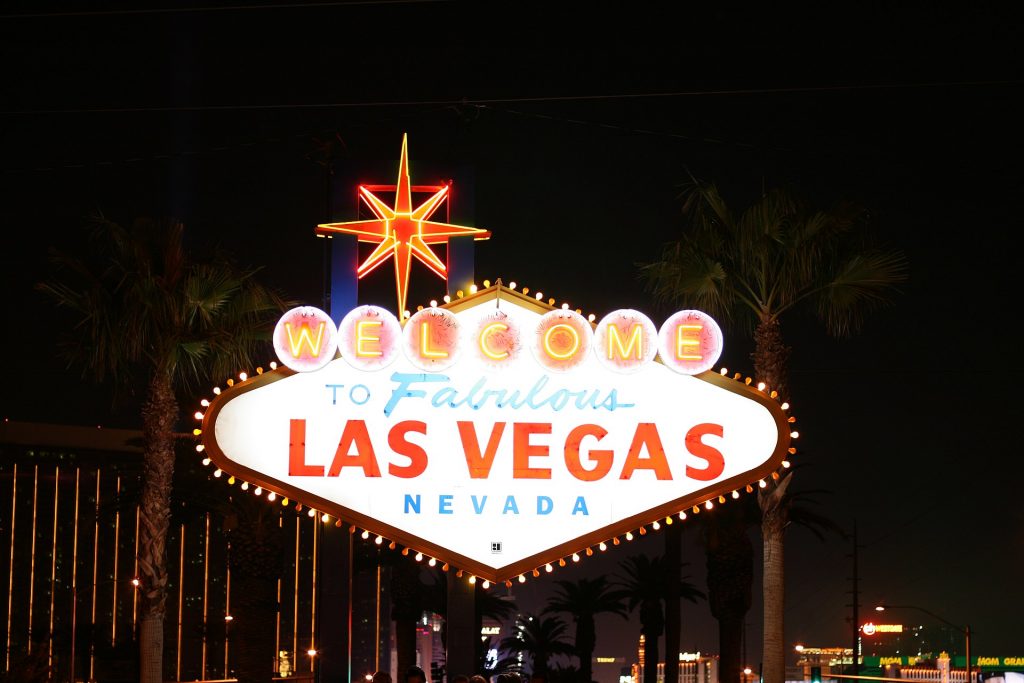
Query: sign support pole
461, 641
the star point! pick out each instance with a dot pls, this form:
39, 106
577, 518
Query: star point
402, 232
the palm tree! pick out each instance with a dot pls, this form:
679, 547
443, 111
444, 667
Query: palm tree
492, 605
147, 316
583, 599
541, 638
645, 584
778, 255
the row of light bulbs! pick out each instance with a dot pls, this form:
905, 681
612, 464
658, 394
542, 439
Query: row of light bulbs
536, 572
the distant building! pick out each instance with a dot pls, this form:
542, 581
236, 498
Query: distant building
68, 544
694, 667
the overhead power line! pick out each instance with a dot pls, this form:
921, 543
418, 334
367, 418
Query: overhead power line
513, 100
212, 8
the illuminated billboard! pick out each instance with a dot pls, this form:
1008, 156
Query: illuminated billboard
497, 433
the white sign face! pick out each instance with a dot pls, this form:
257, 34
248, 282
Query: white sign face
498, 462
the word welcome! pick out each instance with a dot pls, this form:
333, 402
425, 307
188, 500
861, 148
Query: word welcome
433, 339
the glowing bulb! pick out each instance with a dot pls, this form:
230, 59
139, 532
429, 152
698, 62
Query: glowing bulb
575, 557
487, 283
433, 303
591, 317
273, 365
136, 582
325, 518
735, 494
447, 299
565, 307
472, 289
217, 473
419, 557
785, 406
548, 568
197, 431
561, 562
284, 502
216, 390
312, 512
629, 535
655, 526
682, 515
724, 371
540, 296
522, 579
786, 464
602, 546
243, 376
487, 584
258, 491
365, 535
378, 540
762, 483
794, 435
231, 480
512, 285
432, 562
760, 386
708, 505
245, 486
204, 403
206, 461
472, 579
271, 496
198, 415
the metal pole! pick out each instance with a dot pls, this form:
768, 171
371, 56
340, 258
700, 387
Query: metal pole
856, 605
967, 650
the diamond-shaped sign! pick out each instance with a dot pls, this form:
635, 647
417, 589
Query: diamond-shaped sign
496, 434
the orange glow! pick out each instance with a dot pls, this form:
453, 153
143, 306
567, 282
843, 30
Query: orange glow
401, 231
305, 339
426, 350
687, 340
362, 337
485, 348
634, 347
561, 354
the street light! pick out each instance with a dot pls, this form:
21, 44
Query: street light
966, 630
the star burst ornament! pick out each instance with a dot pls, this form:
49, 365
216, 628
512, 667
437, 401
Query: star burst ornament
402, 232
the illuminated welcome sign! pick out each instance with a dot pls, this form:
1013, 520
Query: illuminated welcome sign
497, 433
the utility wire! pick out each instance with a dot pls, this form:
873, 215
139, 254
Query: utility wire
214, 8
510, 100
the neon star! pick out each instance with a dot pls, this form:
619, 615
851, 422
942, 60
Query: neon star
402, 232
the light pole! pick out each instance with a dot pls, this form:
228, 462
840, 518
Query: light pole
966, 630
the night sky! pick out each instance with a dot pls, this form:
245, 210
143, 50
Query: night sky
911, 428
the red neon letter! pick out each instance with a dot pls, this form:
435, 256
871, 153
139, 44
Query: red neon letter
646, 435
355, 433
713, 457
297, 466
602, 458
523, 450
479, 464
402, 446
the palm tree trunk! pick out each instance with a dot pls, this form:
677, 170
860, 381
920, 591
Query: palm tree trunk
586, 639
729, 556
773, 664
159, 414
651, 657
771, 357
730, 635
673, 616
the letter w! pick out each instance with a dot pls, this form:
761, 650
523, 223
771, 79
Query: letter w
479, 463
305, 339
